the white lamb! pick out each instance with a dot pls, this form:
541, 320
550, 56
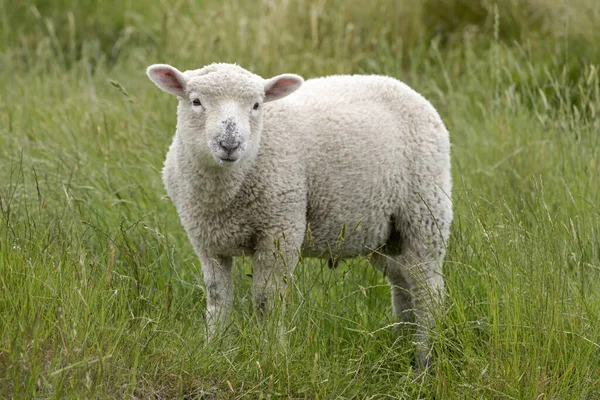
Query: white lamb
344, 166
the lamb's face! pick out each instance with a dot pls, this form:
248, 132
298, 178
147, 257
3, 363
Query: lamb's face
221, 108
222, 115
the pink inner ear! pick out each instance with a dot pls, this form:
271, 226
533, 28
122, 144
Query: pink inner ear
281, 86
169, 79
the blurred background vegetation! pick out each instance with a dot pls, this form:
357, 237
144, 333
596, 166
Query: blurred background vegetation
537, 41
100, 292
269, 30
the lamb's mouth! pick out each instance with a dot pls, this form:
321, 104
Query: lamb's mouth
227, 160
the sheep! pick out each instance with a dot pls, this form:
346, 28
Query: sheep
334, 167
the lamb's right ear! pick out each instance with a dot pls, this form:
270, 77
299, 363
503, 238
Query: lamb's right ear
168, 78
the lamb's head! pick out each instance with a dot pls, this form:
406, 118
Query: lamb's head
220, 109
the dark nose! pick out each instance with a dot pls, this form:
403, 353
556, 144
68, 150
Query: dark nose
229, 147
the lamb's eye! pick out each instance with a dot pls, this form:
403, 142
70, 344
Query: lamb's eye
256, 105
196, 102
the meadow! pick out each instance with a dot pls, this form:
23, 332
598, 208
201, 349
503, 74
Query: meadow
101, 294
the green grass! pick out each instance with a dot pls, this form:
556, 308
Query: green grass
101, 294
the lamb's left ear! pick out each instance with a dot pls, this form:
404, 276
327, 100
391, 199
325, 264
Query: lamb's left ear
168, 78
281, 85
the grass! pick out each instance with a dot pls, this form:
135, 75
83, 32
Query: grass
101, 293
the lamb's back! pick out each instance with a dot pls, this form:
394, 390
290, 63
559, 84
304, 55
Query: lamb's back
365, 142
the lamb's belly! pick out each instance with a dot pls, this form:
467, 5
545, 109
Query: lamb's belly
345, 238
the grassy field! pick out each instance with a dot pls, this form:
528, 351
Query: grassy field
101, 294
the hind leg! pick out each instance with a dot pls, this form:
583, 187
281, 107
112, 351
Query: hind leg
416, 288
426, 286
402, 307
425, 230
414, 267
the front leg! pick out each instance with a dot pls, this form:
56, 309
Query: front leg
219, 286
274, 263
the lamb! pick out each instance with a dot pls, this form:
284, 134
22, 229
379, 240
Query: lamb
333, 167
